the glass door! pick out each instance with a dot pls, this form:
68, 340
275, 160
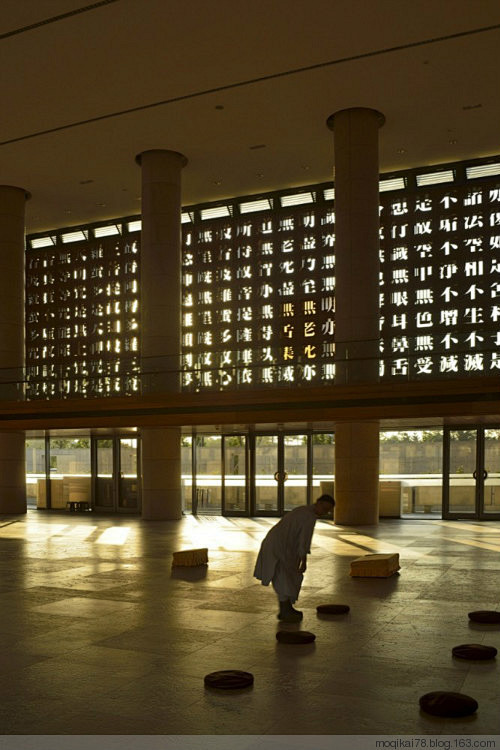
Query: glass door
471, 475
295, 479
208, 480
128, 489
267, 475
490, 501
281, 479
104, 494
116, 481
234, 488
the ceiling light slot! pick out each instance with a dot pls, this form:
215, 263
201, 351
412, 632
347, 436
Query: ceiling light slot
297, 199
434, 178
329, 194
218, 212
484, 170
186, 218
108, 230
134, 226
77, 236
398, 183
38, 242
250, 207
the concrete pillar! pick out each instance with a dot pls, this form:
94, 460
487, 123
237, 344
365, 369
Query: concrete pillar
357, 330
356, 473
161, 474
12, 444
161, 325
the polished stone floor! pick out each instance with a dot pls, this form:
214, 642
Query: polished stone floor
100, 636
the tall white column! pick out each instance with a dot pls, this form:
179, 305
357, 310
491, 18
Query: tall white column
161, 325
12, 265
357, 331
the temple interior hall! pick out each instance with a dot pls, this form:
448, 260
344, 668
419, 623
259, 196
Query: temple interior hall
249, 255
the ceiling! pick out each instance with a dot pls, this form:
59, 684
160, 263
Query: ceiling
242, 89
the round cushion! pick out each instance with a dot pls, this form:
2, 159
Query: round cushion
474, 651
295, 636
229, 679
441, 703
332, 609
485, 615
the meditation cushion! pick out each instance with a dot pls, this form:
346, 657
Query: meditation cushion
190, 557
375, 566
441, 703
474, 651
229, 679
486, 616
295, 636
332, 609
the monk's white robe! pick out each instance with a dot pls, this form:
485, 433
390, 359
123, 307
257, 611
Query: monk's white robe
282, 550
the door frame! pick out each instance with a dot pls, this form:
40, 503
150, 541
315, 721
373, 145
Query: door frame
245, 511
116, 478
280, 469
479, 475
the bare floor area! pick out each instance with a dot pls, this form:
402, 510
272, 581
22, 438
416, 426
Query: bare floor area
99, 635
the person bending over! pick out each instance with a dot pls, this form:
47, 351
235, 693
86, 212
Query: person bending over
282, 556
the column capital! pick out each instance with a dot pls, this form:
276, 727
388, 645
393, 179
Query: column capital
9, 188
356, 111
162, 153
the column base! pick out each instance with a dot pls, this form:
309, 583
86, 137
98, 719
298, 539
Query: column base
12, 473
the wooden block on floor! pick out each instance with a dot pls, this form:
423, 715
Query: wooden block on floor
190, 557
375, 566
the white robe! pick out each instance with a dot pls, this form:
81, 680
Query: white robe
281, 551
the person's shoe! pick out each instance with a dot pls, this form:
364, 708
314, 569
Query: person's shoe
297, 612
288, 614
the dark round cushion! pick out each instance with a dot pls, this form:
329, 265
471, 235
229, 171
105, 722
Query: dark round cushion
332, 609
229, 679
295, 636
441, 703
485, 615
474, 651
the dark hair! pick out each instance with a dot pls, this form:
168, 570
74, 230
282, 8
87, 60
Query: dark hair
326, 499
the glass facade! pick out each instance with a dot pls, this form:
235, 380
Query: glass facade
83, 473
70, 471
411, 473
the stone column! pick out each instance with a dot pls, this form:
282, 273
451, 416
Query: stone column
357, 331
161, 325
12, 259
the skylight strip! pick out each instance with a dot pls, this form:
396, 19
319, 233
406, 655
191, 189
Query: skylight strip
186, 218
485, 170
42, 242
298, 199
250, 207
134, 226
434, 178
74, 236
107, 231
214, 213
398, 183
329, 194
